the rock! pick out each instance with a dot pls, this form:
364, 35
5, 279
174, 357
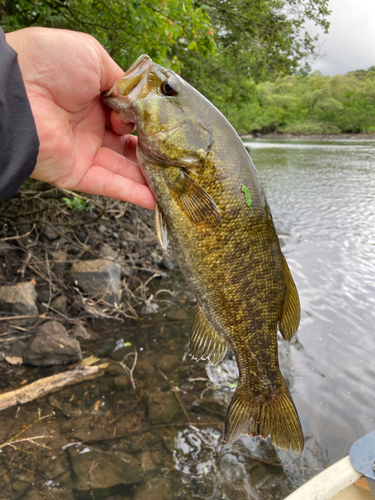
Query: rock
155, 489
98, 278
80, 331
49, 232
113, 469
143, 370
17, 349
53, 466
149, 308
2, 356
168, 262
163, 408
60, 304
115, 370
58, 260
51, 345
19, 300
122, 382
107, 252
169, 362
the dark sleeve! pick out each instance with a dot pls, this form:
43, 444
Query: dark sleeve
19, 142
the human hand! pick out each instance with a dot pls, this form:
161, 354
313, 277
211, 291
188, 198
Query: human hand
84, 146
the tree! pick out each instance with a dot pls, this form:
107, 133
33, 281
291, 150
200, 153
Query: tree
222, 47
125, 28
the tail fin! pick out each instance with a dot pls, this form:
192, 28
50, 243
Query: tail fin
275, 416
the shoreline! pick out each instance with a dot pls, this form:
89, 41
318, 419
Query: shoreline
277, 135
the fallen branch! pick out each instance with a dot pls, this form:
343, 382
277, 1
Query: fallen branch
47, 385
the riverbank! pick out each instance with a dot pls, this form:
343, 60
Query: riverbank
73, 258
317, 137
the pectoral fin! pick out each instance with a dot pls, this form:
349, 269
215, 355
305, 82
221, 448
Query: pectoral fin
195, 202
161, 227
291, 313
204, 342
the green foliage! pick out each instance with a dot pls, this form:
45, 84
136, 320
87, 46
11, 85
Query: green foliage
220, 46
125, 28
78, 204
314, 104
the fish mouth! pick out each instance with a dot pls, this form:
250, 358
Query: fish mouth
130, 86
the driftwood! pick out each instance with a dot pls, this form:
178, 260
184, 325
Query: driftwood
47, 385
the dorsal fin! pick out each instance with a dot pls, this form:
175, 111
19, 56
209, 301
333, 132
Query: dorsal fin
204, 342
291, 313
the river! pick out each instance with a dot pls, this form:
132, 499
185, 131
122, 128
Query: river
321, 195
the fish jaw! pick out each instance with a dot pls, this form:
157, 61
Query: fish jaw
130, 88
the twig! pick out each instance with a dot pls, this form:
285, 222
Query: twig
47, 385
19, 236
175, 392
24, 264
127, 370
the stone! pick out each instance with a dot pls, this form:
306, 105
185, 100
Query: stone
122, 382
100, 279
102, 471
79, 330
60, 304
17, 350
107, 252
49, 231
169, 362
115, 370
19, 300
53, 466
163, 408
143, 370
155, 489
168, 262
51, 345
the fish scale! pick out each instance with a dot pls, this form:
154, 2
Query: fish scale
211, 204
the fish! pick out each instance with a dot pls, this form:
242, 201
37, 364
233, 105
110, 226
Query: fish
212, 210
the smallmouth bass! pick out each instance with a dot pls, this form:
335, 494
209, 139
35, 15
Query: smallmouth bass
212, 209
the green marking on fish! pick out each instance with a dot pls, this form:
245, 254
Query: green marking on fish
247, 194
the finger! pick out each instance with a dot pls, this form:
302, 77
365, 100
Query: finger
120, 125
117, 164
125, 145
101, 181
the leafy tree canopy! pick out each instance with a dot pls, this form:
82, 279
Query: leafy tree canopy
222, 47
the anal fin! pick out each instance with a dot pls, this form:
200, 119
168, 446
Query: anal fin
291, 313
204, 342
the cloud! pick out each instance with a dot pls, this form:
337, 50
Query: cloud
350, 43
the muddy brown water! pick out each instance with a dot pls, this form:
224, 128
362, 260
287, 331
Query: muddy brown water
162, 440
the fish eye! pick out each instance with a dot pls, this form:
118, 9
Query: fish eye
169, 87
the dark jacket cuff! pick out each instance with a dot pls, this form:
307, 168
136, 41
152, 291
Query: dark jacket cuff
19, 144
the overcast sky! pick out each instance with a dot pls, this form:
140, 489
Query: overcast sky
350, 43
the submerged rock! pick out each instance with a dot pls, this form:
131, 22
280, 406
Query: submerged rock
100, 279
19, 300
155, 489
163, 408
102, 472
169, 362
51, 345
